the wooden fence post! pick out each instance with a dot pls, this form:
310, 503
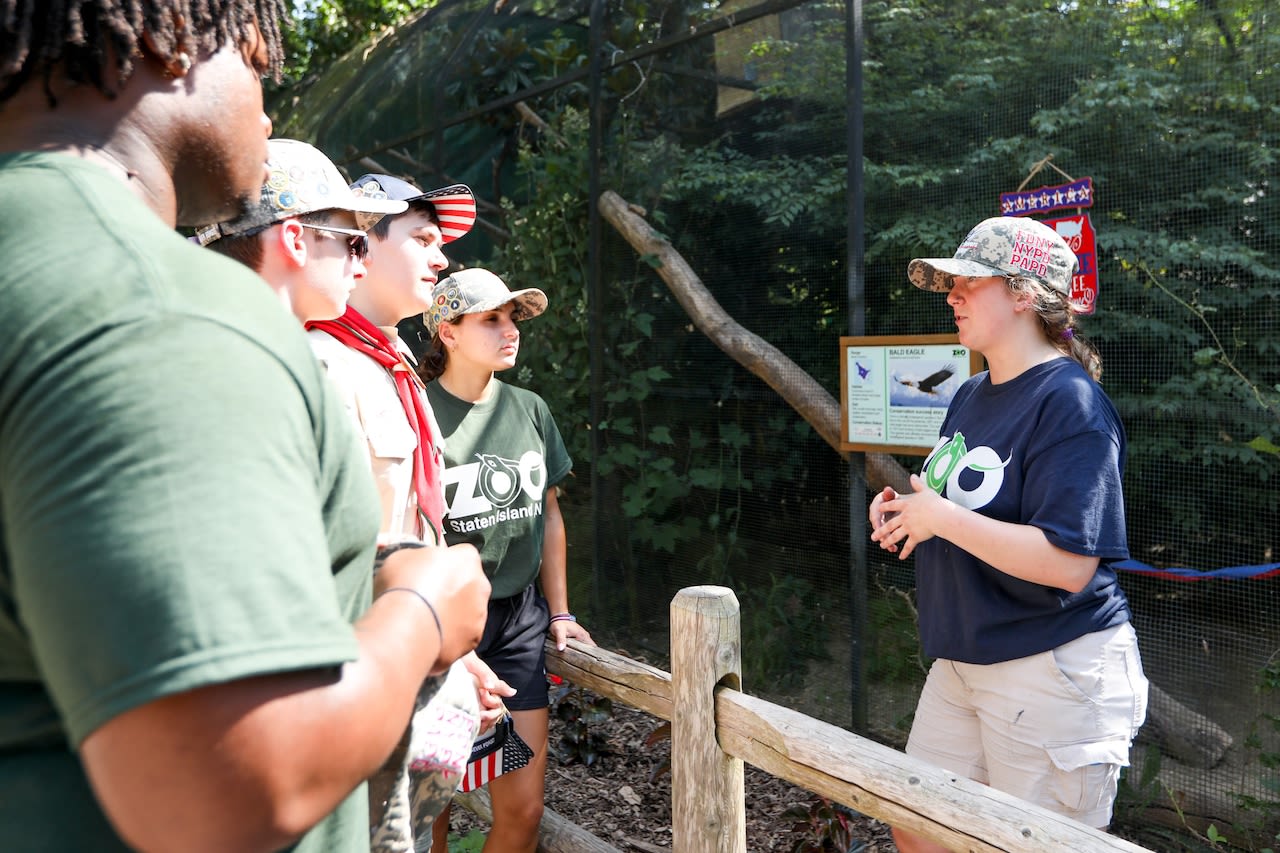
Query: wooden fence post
708, 810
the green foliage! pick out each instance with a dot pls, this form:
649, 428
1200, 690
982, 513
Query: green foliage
324, 30
781, 632
472, 842
679, 454
821, 826
577, 710
548, 249
1263, 741
674, 486
896, 656
1165, 106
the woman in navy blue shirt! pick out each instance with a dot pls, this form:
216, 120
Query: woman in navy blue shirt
1015, 519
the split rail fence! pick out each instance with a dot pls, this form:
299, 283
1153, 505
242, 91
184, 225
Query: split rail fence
715, 728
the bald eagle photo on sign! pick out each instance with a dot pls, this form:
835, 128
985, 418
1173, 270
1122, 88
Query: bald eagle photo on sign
922, 384
930, 383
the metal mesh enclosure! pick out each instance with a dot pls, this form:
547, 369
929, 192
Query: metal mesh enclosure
729, 129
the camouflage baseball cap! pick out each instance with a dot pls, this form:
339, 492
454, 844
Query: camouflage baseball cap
473, 291
1003, 245
301, 179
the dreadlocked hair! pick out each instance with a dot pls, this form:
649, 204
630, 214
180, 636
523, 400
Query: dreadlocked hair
1057, 317
82, 36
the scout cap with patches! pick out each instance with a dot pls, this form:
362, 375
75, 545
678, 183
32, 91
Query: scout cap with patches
474, 291
1006, 246
301, 179
455, 205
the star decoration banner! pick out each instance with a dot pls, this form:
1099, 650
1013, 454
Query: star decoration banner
1078, 193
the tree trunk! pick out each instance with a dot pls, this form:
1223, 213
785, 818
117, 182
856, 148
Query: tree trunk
813, 402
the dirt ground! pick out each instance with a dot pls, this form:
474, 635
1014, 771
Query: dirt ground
619, 800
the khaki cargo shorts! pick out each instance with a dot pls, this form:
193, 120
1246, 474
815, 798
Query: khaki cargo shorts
1052, 728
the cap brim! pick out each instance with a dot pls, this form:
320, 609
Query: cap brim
369, 211
530, 302
935, 274
455, 207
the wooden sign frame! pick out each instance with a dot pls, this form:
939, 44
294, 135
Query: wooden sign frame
894, 390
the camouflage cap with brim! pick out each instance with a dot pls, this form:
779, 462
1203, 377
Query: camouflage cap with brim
301, 179
1005, 246
474, 291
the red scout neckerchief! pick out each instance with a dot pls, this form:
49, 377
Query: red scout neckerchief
356, 332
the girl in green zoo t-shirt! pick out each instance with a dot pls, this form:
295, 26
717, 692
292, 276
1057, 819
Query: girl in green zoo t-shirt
503, 460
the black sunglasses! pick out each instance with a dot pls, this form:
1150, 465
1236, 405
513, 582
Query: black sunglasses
357, 244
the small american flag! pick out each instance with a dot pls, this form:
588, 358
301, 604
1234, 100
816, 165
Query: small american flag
495, 752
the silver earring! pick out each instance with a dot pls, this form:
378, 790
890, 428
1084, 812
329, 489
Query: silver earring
184, 62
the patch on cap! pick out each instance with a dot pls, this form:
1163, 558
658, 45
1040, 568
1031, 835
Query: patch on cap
300, 180
1006, 246
473, 291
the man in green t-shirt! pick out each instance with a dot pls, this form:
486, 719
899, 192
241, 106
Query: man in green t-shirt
186, 522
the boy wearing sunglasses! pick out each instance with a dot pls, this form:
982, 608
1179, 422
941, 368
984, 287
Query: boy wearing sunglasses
303, 236
306, 239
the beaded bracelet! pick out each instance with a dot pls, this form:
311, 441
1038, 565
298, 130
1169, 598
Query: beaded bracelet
424, 600
564, 617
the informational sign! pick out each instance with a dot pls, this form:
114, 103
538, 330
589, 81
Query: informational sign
1078, 232
894, 390
1076, 194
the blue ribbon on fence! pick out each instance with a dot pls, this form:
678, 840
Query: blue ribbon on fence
1266, 570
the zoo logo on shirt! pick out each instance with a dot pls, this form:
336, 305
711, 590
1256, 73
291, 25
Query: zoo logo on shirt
950, 458
488, 488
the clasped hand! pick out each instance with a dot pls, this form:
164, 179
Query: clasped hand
900, 522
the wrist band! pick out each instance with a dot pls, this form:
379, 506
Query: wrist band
423, 599
385, 551
564, 617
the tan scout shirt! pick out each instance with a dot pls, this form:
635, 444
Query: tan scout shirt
369, 393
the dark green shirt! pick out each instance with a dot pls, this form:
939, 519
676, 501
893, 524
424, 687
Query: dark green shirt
500, 455
182, 501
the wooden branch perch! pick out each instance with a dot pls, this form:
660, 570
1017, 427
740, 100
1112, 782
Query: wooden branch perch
813, 402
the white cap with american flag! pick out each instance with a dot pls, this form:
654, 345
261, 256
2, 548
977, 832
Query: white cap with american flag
455, 205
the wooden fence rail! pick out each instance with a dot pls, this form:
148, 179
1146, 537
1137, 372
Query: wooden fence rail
716, 727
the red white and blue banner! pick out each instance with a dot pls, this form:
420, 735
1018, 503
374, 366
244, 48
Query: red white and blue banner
498, 751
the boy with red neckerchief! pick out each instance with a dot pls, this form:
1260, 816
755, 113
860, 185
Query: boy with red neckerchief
306, 237
373, 371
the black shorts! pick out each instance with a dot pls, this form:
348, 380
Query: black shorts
512, 646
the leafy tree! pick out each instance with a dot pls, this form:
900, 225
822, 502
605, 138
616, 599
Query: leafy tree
324, 30
1170, 107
